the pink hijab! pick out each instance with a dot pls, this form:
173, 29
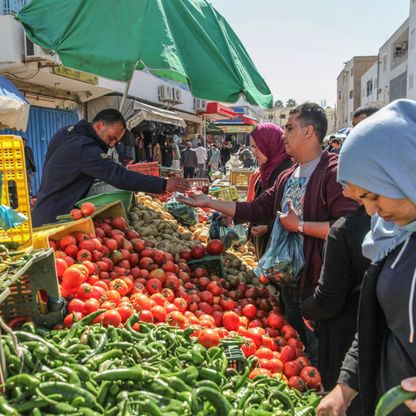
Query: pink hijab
268, 139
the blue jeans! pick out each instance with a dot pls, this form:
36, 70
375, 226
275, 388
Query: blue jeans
292, 304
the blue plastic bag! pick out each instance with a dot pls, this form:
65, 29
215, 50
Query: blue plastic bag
283, 260
9, 218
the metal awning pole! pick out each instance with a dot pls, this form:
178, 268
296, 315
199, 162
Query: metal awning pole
204, 130
126, 89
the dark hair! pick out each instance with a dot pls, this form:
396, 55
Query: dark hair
199, 144
312, 114
336, 140
368, 110
110, 116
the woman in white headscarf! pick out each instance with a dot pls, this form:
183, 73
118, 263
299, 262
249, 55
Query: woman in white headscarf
378, 166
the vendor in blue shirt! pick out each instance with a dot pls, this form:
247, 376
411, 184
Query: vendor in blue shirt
77, 156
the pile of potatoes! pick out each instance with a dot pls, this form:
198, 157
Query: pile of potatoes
153, 223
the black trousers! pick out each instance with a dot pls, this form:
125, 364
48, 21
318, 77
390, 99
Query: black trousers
188, 172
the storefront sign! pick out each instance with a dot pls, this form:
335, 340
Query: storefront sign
63, 71
236, 129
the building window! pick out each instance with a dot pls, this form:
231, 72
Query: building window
384, 63
352, 94
412, 39
339, 94
369, 87
352, 72
398, 87
346, 72
270, 116
411, 80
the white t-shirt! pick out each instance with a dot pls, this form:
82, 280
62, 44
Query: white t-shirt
201, 154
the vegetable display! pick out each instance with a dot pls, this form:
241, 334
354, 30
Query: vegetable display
93, 370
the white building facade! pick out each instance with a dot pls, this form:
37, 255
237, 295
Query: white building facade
411, 67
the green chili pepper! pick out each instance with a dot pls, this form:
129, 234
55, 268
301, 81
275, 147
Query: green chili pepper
282, 398
23, 380
219, 402
6, 408
210, 374
134, 374
392, 399
306, 411
100, 358
27, 406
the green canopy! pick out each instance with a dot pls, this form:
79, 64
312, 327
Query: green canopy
183, 40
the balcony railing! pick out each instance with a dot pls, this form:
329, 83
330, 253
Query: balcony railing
11, 6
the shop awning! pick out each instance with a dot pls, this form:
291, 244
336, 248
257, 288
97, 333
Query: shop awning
14, 109
189, 117
145, 112
218, 111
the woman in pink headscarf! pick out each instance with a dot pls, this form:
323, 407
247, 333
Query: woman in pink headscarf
268, 148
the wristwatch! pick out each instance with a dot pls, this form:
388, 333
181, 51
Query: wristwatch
300, 227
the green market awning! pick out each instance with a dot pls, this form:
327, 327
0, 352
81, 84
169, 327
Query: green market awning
182, 40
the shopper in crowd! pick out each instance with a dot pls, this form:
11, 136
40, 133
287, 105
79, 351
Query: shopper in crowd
214, 160
269, 150
176, 153
362, 113
167, 153
202, 156
335, 144
225, 155
309, 196
383, 353
334, 305
30, 164
189, 161
77, 155
140, 149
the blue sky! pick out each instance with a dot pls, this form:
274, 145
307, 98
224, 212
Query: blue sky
299, 46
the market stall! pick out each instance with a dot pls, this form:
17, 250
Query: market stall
140, 311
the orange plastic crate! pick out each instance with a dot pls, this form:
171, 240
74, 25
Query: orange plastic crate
147, 168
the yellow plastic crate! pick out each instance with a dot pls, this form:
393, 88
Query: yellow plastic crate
228, 193
240, 177
111, 210
42, 235
15, 192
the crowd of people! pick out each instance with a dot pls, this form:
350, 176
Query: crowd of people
353, 303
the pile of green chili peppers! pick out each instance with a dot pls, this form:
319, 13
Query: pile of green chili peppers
160, 370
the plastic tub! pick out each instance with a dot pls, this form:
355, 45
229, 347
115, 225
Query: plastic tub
103, 199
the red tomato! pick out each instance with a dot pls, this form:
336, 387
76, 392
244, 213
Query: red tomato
214, 288
72, 277
215, 247
259, 372
311, 377
84, 292
158, 298
256, 335
291, 368
209, 338
125, 312
69, 319
198, 251
153, 286
181, 304
296, 382
84, 255
287, 353
91, 305
176, 319
274, 320
168, 294
87, 209
112, 296
90, 266
250, 311
263, 352
159, 313
231, 321
303, 361
146, 316
172, 281
66, 240
288, 331
141, 301
97, 291
61, 266
120, 286
249, 347
275, 365
111, 318
227, 304
102, 284
76, 305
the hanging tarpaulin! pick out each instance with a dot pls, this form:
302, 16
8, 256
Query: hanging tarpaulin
14, 109
144, 112
182, 40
